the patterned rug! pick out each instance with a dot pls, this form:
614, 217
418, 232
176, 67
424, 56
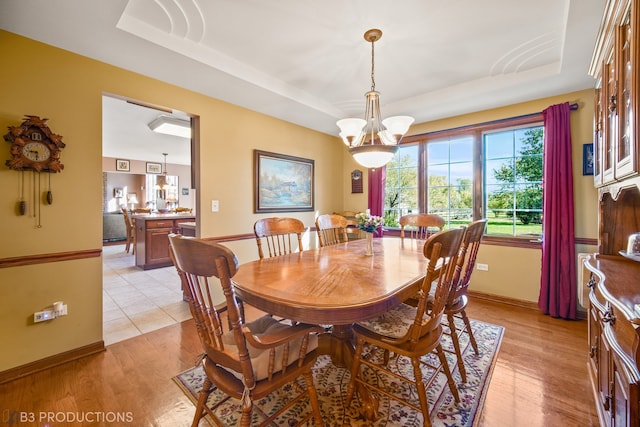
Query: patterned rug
332, 381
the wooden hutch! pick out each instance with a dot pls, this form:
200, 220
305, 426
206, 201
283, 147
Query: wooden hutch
614, 311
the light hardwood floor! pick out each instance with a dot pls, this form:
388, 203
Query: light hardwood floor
540, 378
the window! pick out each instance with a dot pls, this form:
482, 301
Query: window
491, 170
450, 180
401, 188
513, 181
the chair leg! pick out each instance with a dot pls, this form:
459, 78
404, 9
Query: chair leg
447, 372
355, 371
202, 401
474, 344
313, 398
456, 346
422, 394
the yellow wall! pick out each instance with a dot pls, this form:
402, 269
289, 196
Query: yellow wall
68, 88
48, 82
519, 277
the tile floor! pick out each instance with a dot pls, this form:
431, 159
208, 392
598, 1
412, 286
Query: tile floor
136, 301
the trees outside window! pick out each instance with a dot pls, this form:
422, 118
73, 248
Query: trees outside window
513, 181
491, 171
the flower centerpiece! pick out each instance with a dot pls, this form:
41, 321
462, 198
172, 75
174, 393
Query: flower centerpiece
369, 224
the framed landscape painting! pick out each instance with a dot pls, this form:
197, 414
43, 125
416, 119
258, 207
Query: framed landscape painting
282, 183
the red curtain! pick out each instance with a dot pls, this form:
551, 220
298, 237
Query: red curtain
377, 179
558, 280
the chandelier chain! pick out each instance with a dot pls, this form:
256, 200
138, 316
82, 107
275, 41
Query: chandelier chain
373, 79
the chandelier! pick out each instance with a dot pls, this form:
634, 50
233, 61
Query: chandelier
373, 141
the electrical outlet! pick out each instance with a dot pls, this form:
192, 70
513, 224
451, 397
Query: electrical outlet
483, 267
61, 312
42, 316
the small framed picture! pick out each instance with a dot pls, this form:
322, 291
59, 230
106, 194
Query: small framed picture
154, 167
587, 159
122, 165
185, 191
118, 192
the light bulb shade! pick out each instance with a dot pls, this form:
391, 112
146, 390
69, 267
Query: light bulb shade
351, 131
171, 126
387, 137
373, 156
398, 125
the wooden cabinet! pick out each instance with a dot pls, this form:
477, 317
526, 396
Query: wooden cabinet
152, 241
615, 66
614, 321
614, 339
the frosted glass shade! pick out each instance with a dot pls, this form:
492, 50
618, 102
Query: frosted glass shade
373, 156
398, 125
351, 131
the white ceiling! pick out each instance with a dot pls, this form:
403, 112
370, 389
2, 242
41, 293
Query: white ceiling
307, 61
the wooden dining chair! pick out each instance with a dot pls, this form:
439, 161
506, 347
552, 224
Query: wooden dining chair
457, 300
353, 232
129, 225
412, 332
420, 226
279, 234
331, 229
251, 360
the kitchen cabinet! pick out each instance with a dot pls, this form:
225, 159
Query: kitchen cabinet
152, 241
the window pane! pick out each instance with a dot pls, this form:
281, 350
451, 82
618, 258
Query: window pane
499, 171
513, 185
450, 179
498, 145
401, 186
437, 153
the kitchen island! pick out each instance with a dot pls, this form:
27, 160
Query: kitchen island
152, 241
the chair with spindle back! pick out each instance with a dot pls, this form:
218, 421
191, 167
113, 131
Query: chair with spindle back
458, 300
281, 235
331, 229
129, 225
412, 332
251, 360
420, 226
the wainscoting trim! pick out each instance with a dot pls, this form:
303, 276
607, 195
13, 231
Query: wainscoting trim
50, 362
46, 258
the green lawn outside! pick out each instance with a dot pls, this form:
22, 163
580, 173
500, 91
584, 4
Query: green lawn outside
504, 227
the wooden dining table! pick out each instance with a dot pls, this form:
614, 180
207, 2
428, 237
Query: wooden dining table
335, 285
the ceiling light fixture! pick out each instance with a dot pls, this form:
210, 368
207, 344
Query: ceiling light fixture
373, 141
171, 126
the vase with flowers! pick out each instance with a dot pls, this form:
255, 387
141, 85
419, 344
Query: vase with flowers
369, 224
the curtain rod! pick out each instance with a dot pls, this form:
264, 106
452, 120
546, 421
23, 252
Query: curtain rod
572, 107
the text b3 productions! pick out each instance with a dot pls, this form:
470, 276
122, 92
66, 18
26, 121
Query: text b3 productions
51, 418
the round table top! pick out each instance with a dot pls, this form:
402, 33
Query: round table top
336, 284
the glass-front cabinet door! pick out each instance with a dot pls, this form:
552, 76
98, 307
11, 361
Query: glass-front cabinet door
625, 152
598, 139
610, 128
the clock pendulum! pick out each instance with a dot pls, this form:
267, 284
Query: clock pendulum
49, 193
22, 204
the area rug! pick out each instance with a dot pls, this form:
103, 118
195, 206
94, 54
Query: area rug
331, 383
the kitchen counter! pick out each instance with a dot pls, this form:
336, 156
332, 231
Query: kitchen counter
152, 241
